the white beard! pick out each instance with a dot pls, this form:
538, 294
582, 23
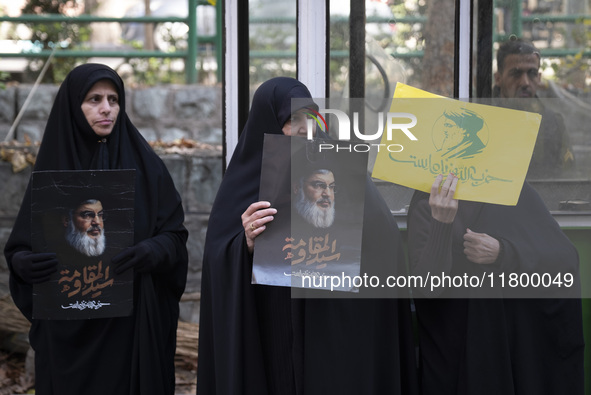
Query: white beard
316, 216
83, 243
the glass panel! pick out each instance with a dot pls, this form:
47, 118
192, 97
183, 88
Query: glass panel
273, 36
403, 43
559, 29
408, 41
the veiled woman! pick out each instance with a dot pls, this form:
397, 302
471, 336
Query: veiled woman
256, 339
514, 340
88, 128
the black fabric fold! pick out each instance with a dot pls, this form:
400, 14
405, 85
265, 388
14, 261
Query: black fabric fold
510, 344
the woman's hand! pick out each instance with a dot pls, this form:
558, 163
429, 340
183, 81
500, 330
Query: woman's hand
34, 268
481, 248
254, 221
443, 205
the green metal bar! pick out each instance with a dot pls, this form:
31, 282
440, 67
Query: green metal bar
408, 55
397, 55
207, 39
85, 18
190, 55
254, 54
557, 52
516, 16
97, 54
555, 18
191, 59
343, 19
395, 19
333, 54
279, 19
272, 54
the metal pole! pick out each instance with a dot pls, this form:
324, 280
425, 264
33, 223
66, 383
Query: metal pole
17, 120
191, 59
219, 17
464, 37
230, 84
516, 17
357, 50
357, 57
311, 47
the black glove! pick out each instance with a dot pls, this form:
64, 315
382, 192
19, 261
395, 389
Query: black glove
144, 257
34, 268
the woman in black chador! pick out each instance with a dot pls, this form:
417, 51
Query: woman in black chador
256, 339
506, 339
89, 129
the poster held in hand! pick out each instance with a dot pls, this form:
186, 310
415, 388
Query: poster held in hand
85, 218
316, 233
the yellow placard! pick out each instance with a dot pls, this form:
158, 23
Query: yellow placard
488, 148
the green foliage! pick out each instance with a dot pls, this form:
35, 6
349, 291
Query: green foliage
151, 71
574, 72
46, 36
3, 77
268, 38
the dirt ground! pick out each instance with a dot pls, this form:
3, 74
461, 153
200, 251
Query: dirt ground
14, 380
16, 366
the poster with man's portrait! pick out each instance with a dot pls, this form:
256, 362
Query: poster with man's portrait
85, 218
316, 234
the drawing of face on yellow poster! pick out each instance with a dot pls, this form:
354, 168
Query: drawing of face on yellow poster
488, 148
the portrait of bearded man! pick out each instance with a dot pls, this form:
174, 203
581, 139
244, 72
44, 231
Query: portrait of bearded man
84, 228
314, 197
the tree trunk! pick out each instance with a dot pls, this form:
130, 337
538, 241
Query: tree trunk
438, 62
149, 29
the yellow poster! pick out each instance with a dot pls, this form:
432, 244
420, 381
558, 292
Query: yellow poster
488, 148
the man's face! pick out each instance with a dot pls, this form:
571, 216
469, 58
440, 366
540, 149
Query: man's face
85, 229
88, 218
314, 199
101, 107
520, 77
319, 188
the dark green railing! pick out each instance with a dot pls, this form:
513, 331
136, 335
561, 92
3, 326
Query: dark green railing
517, 29
190, 55
518, 20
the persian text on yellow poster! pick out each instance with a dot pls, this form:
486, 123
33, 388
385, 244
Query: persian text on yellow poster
488, 148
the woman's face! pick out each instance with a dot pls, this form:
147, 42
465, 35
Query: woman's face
101, 107
297, 125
